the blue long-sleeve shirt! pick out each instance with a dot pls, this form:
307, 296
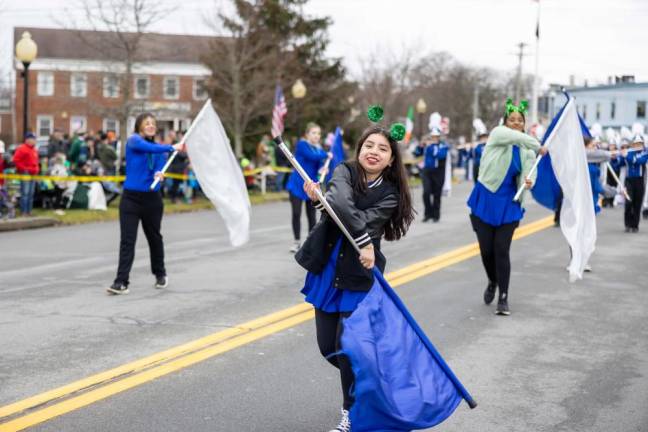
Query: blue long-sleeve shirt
635, 162
143, 159
311, 159
477, 153
433, 153
617, 162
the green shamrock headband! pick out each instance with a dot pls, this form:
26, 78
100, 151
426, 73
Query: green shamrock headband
511, 107
397, 131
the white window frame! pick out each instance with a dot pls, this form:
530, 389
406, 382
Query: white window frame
148, 87
47, 117
177, 87
82, 80
106, 87
195, 89
84, 121
45, 83
105, 127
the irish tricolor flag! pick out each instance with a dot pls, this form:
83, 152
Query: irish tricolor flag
409, 124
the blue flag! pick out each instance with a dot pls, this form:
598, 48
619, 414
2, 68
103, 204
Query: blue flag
546, 190
401, 381
338, 153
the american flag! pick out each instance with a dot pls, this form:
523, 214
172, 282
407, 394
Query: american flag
278, 112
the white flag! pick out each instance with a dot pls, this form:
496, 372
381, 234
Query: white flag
219, 173
569, 163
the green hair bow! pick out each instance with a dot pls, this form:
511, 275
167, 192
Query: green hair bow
397, 131
511, 107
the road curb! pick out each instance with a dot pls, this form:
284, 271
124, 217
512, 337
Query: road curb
26, 223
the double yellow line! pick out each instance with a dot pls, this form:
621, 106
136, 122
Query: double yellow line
53, 403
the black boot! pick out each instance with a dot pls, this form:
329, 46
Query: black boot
489, 293
502, 305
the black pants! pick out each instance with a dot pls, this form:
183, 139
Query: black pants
475, 172
432, 186
147, 207
174, 190
329, 330
495, 248
609, 202
296, 205
632, 214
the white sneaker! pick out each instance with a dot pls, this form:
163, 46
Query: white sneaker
295, 247
345, 423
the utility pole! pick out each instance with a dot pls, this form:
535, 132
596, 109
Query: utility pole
518, 80
475, 110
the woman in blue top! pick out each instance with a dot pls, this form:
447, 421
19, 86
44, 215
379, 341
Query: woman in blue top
505, 164
311, 156
144, 160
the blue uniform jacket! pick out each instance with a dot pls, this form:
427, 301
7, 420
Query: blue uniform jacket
636, 161
143, 159
433, 154
477, 153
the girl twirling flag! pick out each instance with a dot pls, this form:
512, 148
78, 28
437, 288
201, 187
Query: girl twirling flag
392, 377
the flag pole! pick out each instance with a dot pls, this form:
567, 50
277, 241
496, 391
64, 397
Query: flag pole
625, 192
442, 364
325, 169
528, 177
291, 158
184, 138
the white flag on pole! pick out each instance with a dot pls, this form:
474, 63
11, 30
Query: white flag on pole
569, 163
219, 173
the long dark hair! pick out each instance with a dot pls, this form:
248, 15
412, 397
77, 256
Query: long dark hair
140, 119
403, 215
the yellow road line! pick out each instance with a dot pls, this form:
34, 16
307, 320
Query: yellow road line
165, 362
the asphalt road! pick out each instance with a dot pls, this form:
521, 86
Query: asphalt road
571, 357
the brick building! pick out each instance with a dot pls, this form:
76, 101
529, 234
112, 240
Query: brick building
76, 83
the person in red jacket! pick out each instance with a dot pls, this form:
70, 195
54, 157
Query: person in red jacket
26, 162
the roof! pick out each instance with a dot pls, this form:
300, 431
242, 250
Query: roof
99, 45
622, 85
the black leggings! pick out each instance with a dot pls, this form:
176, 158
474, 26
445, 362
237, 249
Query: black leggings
329, 330
147, 207
296, 205
495, 247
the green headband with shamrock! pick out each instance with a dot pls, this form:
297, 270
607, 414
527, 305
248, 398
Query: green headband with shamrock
397, 131
511, 107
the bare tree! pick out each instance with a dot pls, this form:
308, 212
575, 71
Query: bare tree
243, 64
123, 24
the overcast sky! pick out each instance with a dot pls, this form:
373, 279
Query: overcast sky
590, 39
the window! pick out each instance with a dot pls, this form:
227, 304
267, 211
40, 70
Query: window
584, 112
641, 109
110, 125
111, 86
78, 124
45, 84
612, 110
171, 88
199, 92
142, 87
78, 85
44, 125
598, 111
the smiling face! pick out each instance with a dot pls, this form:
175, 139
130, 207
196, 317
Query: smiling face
148, 127
375, 154
515, 120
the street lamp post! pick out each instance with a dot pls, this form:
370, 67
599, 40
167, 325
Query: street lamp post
421, 107
298, 91
26, 51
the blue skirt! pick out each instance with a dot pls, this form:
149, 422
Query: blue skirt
494, 208
320, 292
